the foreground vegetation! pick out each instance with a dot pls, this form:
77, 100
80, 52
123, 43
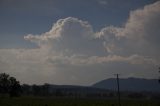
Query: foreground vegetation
14, 94
40, 101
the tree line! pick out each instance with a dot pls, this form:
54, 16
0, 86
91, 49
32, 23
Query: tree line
9, 86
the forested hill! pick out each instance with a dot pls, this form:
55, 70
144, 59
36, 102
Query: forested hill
130, 84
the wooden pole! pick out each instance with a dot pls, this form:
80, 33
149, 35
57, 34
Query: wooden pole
118, 92
159, 76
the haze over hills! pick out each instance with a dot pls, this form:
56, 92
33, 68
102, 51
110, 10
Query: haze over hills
126, 84
130, 84
131, 87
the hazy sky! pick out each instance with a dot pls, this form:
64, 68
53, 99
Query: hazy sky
79, 41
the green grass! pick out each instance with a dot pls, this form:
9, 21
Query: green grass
39, 101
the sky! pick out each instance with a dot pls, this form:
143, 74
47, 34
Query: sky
79, 42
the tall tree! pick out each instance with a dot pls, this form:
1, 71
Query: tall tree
4, 83
15, 87
9, 85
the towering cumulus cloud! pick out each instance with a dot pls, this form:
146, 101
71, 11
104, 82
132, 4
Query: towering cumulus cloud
140, 34
71, 49
69, 34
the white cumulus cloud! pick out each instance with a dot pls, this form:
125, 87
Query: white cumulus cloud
71, 50
139, 35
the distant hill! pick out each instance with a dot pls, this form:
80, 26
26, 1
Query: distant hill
130, 84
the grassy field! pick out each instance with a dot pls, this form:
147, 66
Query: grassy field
32, 101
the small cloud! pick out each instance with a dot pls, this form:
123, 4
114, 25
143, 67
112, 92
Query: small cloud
102, 2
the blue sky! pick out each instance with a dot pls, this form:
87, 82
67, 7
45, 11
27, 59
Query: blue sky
61, 41
21, 17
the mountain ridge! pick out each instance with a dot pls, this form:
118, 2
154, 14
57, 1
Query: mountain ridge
130, 84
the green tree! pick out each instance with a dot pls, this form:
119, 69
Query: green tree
15, 87
36, 90
26, 89
9, 85
4, 83
45, 90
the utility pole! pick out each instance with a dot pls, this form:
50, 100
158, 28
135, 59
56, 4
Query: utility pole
159, 76
118, 92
